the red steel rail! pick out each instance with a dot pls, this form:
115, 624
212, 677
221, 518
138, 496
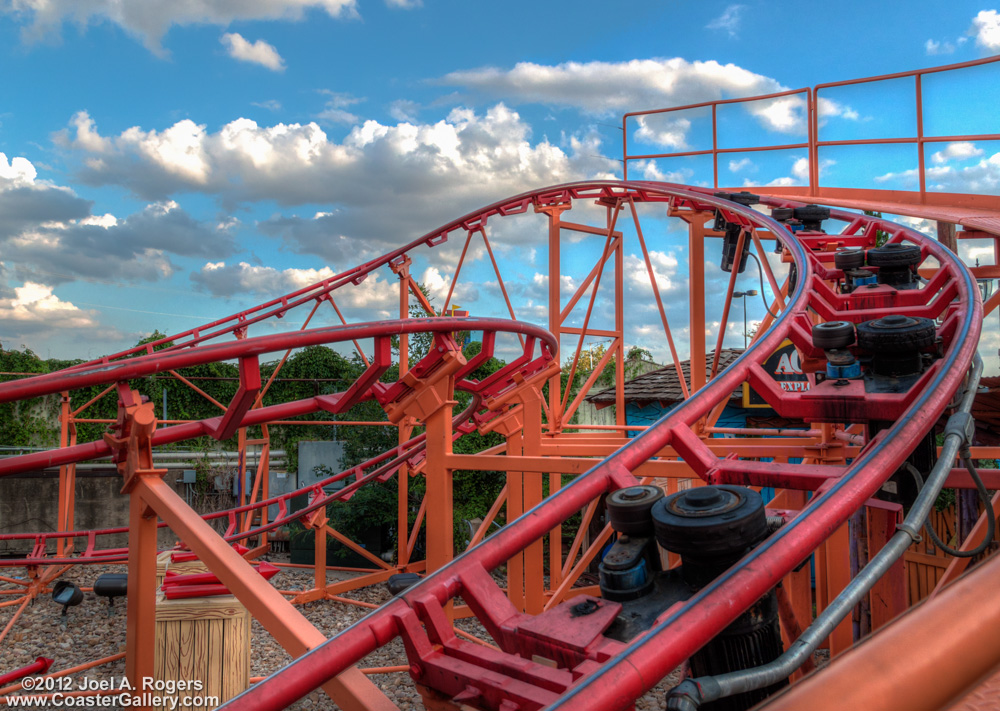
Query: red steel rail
617, 674
246, 349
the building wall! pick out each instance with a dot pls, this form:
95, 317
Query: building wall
732, 415
30, 504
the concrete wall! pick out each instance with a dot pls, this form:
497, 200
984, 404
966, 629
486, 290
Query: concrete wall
30, 504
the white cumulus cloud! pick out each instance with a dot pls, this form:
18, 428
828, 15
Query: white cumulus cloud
150, 19
611, 87
33, 309
259, 52
336, 111
19, 171
980, 177
962, 150
228, 280
742, 164
932, 47
607, 88
376, 180
986, 29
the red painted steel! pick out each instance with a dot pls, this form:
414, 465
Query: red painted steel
39, 666
495, 385
682, 630
592, 672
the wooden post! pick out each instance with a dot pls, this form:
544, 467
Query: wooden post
947, 236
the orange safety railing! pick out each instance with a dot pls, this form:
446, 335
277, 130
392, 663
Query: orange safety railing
814, 143
715, 150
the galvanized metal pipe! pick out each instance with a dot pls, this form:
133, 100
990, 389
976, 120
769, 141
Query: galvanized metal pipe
692, 693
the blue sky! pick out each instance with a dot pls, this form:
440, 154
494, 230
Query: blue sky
166, 163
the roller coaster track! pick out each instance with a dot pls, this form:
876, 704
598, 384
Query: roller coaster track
611, 675
386, 464
593, 671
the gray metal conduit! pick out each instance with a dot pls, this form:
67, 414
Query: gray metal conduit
690, 694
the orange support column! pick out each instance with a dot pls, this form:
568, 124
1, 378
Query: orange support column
696, 301
440, 518
838, 575
405, 427
430, 400
888, 595
67, 481
140, 634
534, 554
510, 425
797, 585
554, 213
515, 507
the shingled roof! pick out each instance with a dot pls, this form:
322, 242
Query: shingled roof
662, 386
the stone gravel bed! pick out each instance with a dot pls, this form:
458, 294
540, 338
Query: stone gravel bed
88, 633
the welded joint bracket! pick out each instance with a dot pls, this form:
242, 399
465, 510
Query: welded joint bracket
131, 445
243, 400
316, 519
426, 395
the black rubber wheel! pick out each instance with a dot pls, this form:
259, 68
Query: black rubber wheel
628, 509
896, 334
740, 198
783, 213
710, 522
833, 334
849, 258
812, 216
894, 255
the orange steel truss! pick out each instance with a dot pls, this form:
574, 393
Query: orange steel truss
544, 454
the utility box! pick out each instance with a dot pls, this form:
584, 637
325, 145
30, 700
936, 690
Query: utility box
204, 639
320, 454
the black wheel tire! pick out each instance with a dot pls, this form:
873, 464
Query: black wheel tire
850, 258
741, 198
833, 334
628, 509
894, 255
712, 535
812, 213
783, 213
896, 334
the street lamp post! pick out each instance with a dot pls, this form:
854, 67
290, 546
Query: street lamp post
743, 295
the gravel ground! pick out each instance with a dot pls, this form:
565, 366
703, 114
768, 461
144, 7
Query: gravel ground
89, 633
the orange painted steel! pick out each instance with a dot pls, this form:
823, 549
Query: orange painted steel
285, 623
957, 566
17, 613
538, 448
921, 662
977, 212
